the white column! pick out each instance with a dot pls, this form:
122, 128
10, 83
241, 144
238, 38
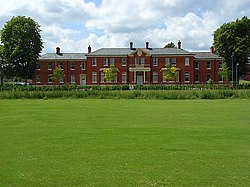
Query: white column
144, 78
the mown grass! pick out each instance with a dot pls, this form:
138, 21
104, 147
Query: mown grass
93, 142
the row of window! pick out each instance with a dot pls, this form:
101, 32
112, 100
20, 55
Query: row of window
72, 79
72, 66
138, 61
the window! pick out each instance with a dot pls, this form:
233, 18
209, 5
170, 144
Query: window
187, 61
124, 77
142, 61
155, 61
94, 77
167, 61
61, 65
106, 61
38, 66
61, 80
49, 66
112, 61
208, 77
196, 78
83, 65
72, 78
187, 77
124, 61
208, 65
72, 66
38, 79
102, 77
50, 79
136, 61
155, 76
196, 65
93, 61
173, 61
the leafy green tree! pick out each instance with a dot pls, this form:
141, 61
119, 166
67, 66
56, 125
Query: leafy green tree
22, 44
170, 73
232, 41
110, 73
57, 75
170, 45
224, 72
2, 64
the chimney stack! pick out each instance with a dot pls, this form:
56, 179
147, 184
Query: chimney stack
58, 51
179, 44
212, 49
147, 44
131, 45
89, 49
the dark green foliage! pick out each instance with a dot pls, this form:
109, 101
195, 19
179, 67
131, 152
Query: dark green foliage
232, 41
22, 44
170, 45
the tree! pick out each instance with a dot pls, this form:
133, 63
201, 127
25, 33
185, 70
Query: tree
22, 44
110, 73
224, 72
2, 62
232, 41
170, 73
170, 45
57, 75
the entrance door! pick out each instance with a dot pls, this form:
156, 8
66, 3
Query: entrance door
139, 80
83, 80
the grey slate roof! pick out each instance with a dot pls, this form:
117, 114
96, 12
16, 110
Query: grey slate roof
63, 56
206, 55
127, 51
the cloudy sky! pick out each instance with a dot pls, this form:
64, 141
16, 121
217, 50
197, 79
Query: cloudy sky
74, 24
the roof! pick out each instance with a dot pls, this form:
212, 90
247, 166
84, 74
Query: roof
206, 55
127, 51
63, 56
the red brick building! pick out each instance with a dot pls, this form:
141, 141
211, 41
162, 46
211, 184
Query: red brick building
134, 65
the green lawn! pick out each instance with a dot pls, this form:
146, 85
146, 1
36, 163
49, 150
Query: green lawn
125, 142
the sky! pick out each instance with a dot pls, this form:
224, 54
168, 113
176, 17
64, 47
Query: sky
73, 25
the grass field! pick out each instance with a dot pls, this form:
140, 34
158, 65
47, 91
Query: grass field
125, 142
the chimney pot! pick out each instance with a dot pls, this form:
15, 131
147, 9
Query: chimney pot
212, 49
147, 45
58, 51
179, 44
89, 49
131, 45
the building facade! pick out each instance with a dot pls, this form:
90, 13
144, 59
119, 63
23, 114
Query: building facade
134, 66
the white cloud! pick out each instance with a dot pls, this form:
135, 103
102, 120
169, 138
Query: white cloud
75, 24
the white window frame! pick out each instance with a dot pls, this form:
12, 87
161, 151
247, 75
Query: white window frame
124, 62
94, 63
105, 61
167, 61
155, 77
187, 73
137, 61
72, 66
94, 77
197, 66
155, 61
73, 78
112, 61
142, 61
124, 77
50, 78
83, 65
186, 61
209, 65
174, 62
50, 66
